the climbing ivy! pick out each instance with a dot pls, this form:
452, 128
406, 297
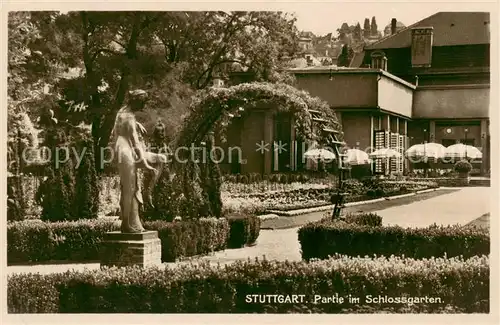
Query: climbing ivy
213, 109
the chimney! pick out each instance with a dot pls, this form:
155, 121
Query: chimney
421, 46
393, 26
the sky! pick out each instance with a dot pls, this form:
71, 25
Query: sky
323, 18
318, 16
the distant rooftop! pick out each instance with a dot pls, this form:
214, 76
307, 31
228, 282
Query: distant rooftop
398, 25
450, 28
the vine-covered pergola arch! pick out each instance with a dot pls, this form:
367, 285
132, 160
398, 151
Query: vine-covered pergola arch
213, 109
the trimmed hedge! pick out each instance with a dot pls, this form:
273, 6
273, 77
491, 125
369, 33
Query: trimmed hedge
325, 238
364, 219
37, 241
190, 238
244, 230
461, 285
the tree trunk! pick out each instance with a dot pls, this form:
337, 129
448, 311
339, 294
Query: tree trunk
106, 127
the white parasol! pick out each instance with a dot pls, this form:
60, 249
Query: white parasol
427, 150
319, 154
461, 150
357, 157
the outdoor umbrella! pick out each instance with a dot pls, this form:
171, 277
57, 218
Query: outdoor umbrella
357, 157
322, 154
426, 150
385, 153
461, 150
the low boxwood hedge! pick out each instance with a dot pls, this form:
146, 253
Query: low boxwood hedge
454, 284
364, 219
79, 241
244, 230
325, 238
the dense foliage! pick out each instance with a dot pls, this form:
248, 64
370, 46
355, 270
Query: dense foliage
71, 189
89, 60
325, 238
86, 180
461, 285
16, 203
56, 194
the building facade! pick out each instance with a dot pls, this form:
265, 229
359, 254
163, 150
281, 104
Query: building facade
429, 82
432, 84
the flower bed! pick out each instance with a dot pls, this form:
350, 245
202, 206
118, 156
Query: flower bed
37, 241
315, 196
325, 238
446, 181
454, 284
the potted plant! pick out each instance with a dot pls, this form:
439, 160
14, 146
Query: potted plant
463, 168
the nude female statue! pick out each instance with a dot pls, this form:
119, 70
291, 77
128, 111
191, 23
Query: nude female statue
131, 155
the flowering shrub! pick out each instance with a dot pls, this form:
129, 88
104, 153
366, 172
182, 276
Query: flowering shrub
37, 241
258, 203
463, 166
447, 182
325, 238
262, 187
261, 197
353, 186
460, 285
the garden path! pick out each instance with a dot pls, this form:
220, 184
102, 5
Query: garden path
460, 207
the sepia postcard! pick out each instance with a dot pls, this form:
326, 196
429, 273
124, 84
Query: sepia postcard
253, 162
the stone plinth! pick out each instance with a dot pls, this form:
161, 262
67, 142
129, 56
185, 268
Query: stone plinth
121, 249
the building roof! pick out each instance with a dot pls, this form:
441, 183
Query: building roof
332, 69
357, 60
450, 28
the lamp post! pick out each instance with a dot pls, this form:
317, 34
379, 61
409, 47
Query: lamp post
425, 155
466, 130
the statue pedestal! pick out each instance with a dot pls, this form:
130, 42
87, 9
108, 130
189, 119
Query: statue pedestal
121, 249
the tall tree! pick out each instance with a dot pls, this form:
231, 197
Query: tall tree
345, 56
373, 27
167, 53
366, 28
357, 32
